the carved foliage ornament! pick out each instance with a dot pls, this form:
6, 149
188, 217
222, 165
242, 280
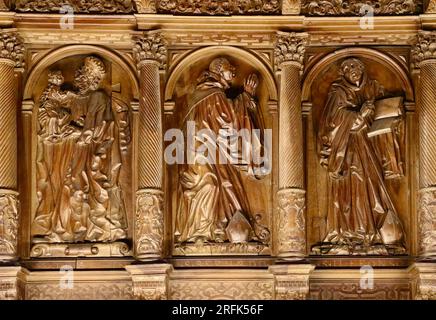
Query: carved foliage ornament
151, 46
292, 204
425, 47
427, 220
11, 47
149, 223
8, 224
89, 6
219, 7
359, 7
290, 47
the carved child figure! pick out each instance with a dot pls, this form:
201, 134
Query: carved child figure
54, 114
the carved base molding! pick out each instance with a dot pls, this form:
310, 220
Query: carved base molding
47, 250
162, 281
365, 283
8, 283
425, 281
68, 284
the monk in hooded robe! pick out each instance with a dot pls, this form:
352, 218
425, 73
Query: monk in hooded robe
360, 215
211, 189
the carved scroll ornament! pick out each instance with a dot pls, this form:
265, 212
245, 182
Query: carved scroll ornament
78, 6
219, 7
359, 7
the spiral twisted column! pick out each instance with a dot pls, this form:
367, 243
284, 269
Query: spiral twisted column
424, 57
150, 54
291, 197
11, 57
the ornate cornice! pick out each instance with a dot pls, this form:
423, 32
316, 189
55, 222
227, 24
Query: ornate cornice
78, 6
11, 47
290, 47
424, 47
353, 7
150, 45
214, 7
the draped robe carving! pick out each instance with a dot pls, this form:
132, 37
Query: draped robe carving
81, 141
361, 217
213, 204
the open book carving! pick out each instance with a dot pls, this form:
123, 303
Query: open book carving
387, 112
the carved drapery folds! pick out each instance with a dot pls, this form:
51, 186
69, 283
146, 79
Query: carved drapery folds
89, 6
11, 56
150, 54
359, 7
424, 56
289, 57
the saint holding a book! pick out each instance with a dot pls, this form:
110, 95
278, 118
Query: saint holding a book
361, 217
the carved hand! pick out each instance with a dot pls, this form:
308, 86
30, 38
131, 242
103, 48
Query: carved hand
368, 109
251, 84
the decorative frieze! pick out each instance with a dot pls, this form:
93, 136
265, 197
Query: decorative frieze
77, 6
216, 7
359, 7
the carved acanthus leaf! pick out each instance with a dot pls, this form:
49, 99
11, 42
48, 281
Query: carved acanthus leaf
78, 6
431, 8
11, 47
359, 7
291, 7
290, 47
425, 46
217, 7
146, 6
151, 46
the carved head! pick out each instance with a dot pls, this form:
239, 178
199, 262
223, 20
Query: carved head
90, 75
222, 67
55, 77
352, 70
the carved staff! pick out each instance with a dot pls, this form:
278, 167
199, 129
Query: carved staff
424, 56
290, 227
150, 54
11, 56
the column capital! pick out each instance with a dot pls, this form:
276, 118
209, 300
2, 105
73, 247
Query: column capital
424, 47
11, 47
431, 7
150, 46
290, 48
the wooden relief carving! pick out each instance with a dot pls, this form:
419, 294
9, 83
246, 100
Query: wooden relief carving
427, 221
9, 206
83, 138
358, 144
359, 7
213, 210
215, 7
89, 6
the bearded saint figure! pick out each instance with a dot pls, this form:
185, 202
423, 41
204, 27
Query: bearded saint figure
361, 217
213, 204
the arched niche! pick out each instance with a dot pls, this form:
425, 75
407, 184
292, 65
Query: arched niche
316, 84
120, 86
181, 84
